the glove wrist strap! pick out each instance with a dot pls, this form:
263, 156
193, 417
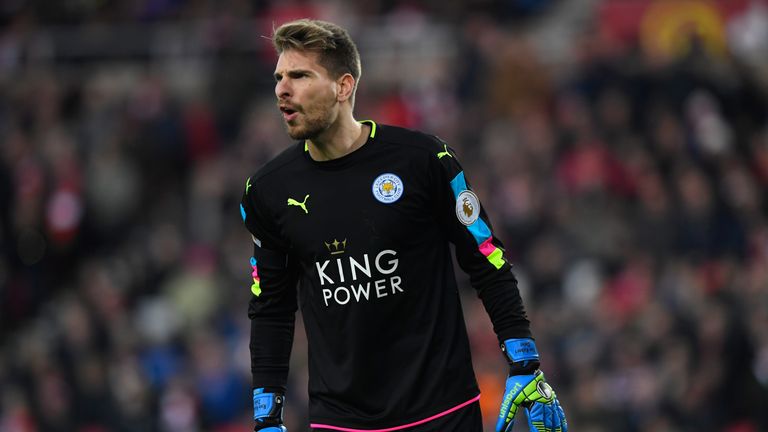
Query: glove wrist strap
268, 407
522, 355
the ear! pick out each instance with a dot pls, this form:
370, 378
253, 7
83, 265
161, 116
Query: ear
346, 85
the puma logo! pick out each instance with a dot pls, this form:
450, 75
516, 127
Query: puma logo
303, 205
444, 153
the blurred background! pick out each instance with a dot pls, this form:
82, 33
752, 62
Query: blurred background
620, 148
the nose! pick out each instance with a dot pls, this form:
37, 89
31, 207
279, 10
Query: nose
282, 89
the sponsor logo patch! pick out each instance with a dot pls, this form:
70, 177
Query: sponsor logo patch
387, 188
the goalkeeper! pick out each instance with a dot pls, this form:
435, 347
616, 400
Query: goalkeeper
352, 225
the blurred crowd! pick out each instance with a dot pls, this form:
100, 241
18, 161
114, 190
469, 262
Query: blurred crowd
620, 148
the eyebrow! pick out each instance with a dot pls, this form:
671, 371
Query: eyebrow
294, 73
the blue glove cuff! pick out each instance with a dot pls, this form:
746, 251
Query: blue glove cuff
267, 406
520, 350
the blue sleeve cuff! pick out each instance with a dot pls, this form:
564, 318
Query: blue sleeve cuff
520, 350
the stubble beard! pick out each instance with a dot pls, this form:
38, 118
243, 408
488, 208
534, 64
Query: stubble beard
314, 124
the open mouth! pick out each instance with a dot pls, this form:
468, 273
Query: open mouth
289, 113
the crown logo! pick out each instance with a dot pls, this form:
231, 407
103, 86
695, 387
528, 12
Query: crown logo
336, 247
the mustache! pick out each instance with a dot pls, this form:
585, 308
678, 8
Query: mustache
286, 106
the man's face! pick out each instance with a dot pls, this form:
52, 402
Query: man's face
306, 94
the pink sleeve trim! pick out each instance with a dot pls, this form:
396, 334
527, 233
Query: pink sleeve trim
428, 419
487, 247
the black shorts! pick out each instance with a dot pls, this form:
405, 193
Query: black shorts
466, 419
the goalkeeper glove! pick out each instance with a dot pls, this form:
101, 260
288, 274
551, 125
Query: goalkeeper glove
526, 387
268, 410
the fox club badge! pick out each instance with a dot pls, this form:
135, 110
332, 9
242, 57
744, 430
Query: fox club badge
387, 188
467, 207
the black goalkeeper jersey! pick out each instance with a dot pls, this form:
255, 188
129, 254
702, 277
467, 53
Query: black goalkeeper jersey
361, 245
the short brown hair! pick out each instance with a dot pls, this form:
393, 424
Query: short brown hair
338, 53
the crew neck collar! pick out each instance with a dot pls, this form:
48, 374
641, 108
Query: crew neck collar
351, 156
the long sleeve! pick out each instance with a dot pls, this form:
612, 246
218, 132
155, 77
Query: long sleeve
479, 253
273, 304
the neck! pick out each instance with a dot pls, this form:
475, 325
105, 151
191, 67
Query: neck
342, 138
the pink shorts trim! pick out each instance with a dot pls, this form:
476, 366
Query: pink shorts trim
428, 419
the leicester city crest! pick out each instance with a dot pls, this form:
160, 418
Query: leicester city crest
387, 188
